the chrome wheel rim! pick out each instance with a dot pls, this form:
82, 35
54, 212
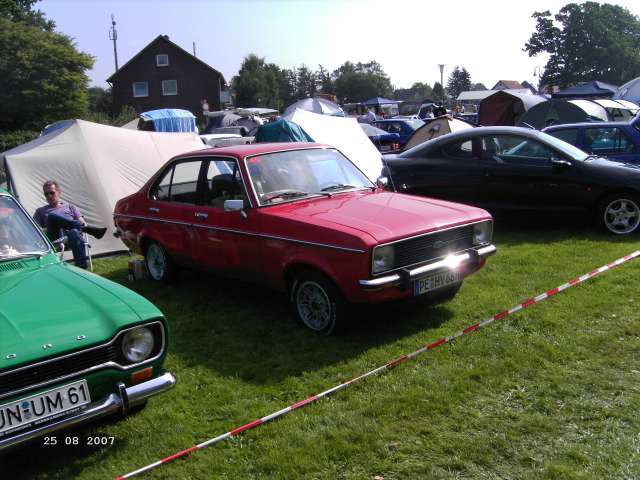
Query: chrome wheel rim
622, 216
156, 262
314, 306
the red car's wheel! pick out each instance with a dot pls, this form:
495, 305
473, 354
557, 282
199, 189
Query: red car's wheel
318, 304
159, 265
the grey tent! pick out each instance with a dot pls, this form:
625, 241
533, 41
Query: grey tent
506, 108
593, 89
558, 111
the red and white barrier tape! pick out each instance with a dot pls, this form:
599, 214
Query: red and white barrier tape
388, 366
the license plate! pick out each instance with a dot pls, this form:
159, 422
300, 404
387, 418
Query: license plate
43, 406
385, 148
434, 282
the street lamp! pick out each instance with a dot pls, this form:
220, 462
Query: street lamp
441, 65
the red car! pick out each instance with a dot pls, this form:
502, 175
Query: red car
301, 218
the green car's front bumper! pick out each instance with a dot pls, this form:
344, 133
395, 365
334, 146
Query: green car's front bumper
121, 402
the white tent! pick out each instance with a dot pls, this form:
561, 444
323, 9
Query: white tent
95, 166
346, 135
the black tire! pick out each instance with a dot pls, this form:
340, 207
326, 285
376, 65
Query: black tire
318, 304
619, 213
159, 265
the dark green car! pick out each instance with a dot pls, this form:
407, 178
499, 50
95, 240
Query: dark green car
74, 347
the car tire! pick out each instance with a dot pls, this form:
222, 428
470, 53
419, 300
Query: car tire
318, 304
619, 213
159, 265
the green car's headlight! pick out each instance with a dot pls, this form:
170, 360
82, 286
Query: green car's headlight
137, 344
383, 258
482, 232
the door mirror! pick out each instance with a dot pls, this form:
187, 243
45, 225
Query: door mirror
233, 205
382, 182
61, 243
559, 164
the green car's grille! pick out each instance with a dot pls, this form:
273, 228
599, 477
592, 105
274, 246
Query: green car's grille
56, 368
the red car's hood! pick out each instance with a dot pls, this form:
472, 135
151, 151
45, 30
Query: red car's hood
383, 215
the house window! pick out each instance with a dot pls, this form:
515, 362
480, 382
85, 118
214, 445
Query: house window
140, 89
169, 87
162, 60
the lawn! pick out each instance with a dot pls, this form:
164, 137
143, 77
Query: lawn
552, 392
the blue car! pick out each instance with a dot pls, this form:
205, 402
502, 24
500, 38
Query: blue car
614, 140
404, 128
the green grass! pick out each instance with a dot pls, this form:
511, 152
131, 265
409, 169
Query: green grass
552, 392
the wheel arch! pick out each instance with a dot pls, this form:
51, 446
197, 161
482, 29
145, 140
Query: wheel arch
293, 269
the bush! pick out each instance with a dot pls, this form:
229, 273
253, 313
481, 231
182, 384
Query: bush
13, 138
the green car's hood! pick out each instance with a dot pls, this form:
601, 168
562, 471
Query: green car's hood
46, 303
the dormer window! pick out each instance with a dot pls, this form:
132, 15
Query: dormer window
162, 60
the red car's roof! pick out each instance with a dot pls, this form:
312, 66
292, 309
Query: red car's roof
256, 149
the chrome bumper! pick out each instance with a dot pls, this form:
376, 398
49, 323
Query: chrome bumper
127, 398
405, 276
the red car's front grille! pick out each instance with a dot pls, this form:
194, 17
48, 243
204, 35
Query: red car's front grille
432, 246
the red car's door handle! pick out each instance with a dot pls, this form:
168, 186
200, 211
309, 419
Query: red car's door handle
154, 210
201, 215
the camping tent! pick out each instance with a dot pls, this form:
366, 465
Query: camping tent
594, 88
95, 165
629, 91
505, 108
375, 101
315, 105
435, 128
557, 111
281, 131
346, 135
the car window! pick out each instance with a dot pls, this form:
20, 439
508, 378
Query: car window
516, 150
160, 191
179, 183
224, 182
569, 135
285, 176
603, 140
461, 150
18, 234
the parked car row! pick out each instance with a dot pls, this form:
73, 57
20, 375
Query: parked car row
300, 218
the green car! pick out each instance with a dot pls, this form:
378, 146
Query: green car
74, 347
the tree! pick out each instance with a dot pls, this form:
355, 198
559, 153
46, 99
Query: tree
305, 82
43, 76
478, 86
256, 84
438, 91
459, 81
324, 82
419, 91
361, 81
21, 11
590, 41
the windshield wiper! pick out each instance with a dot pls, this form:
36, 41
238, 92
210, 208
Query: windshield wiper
337, 186
283, 194
22, 255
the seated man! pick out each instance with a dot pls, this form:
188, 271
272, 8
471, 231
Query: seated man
61, 218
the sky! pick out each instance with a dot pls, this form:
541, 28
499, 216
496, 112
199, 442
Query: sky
409, 38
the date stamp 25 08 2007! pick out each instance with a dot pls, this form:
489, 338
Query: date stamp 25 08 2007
71, 441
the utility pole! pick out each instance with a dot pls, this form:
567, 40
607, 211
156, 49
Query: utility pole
113, 35
194, 49
441, 65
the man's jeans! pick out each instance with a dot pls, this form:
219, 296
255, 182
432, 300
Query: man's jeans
58, 226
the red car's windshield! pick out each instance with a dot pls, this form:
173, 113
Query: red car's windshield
293, 174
